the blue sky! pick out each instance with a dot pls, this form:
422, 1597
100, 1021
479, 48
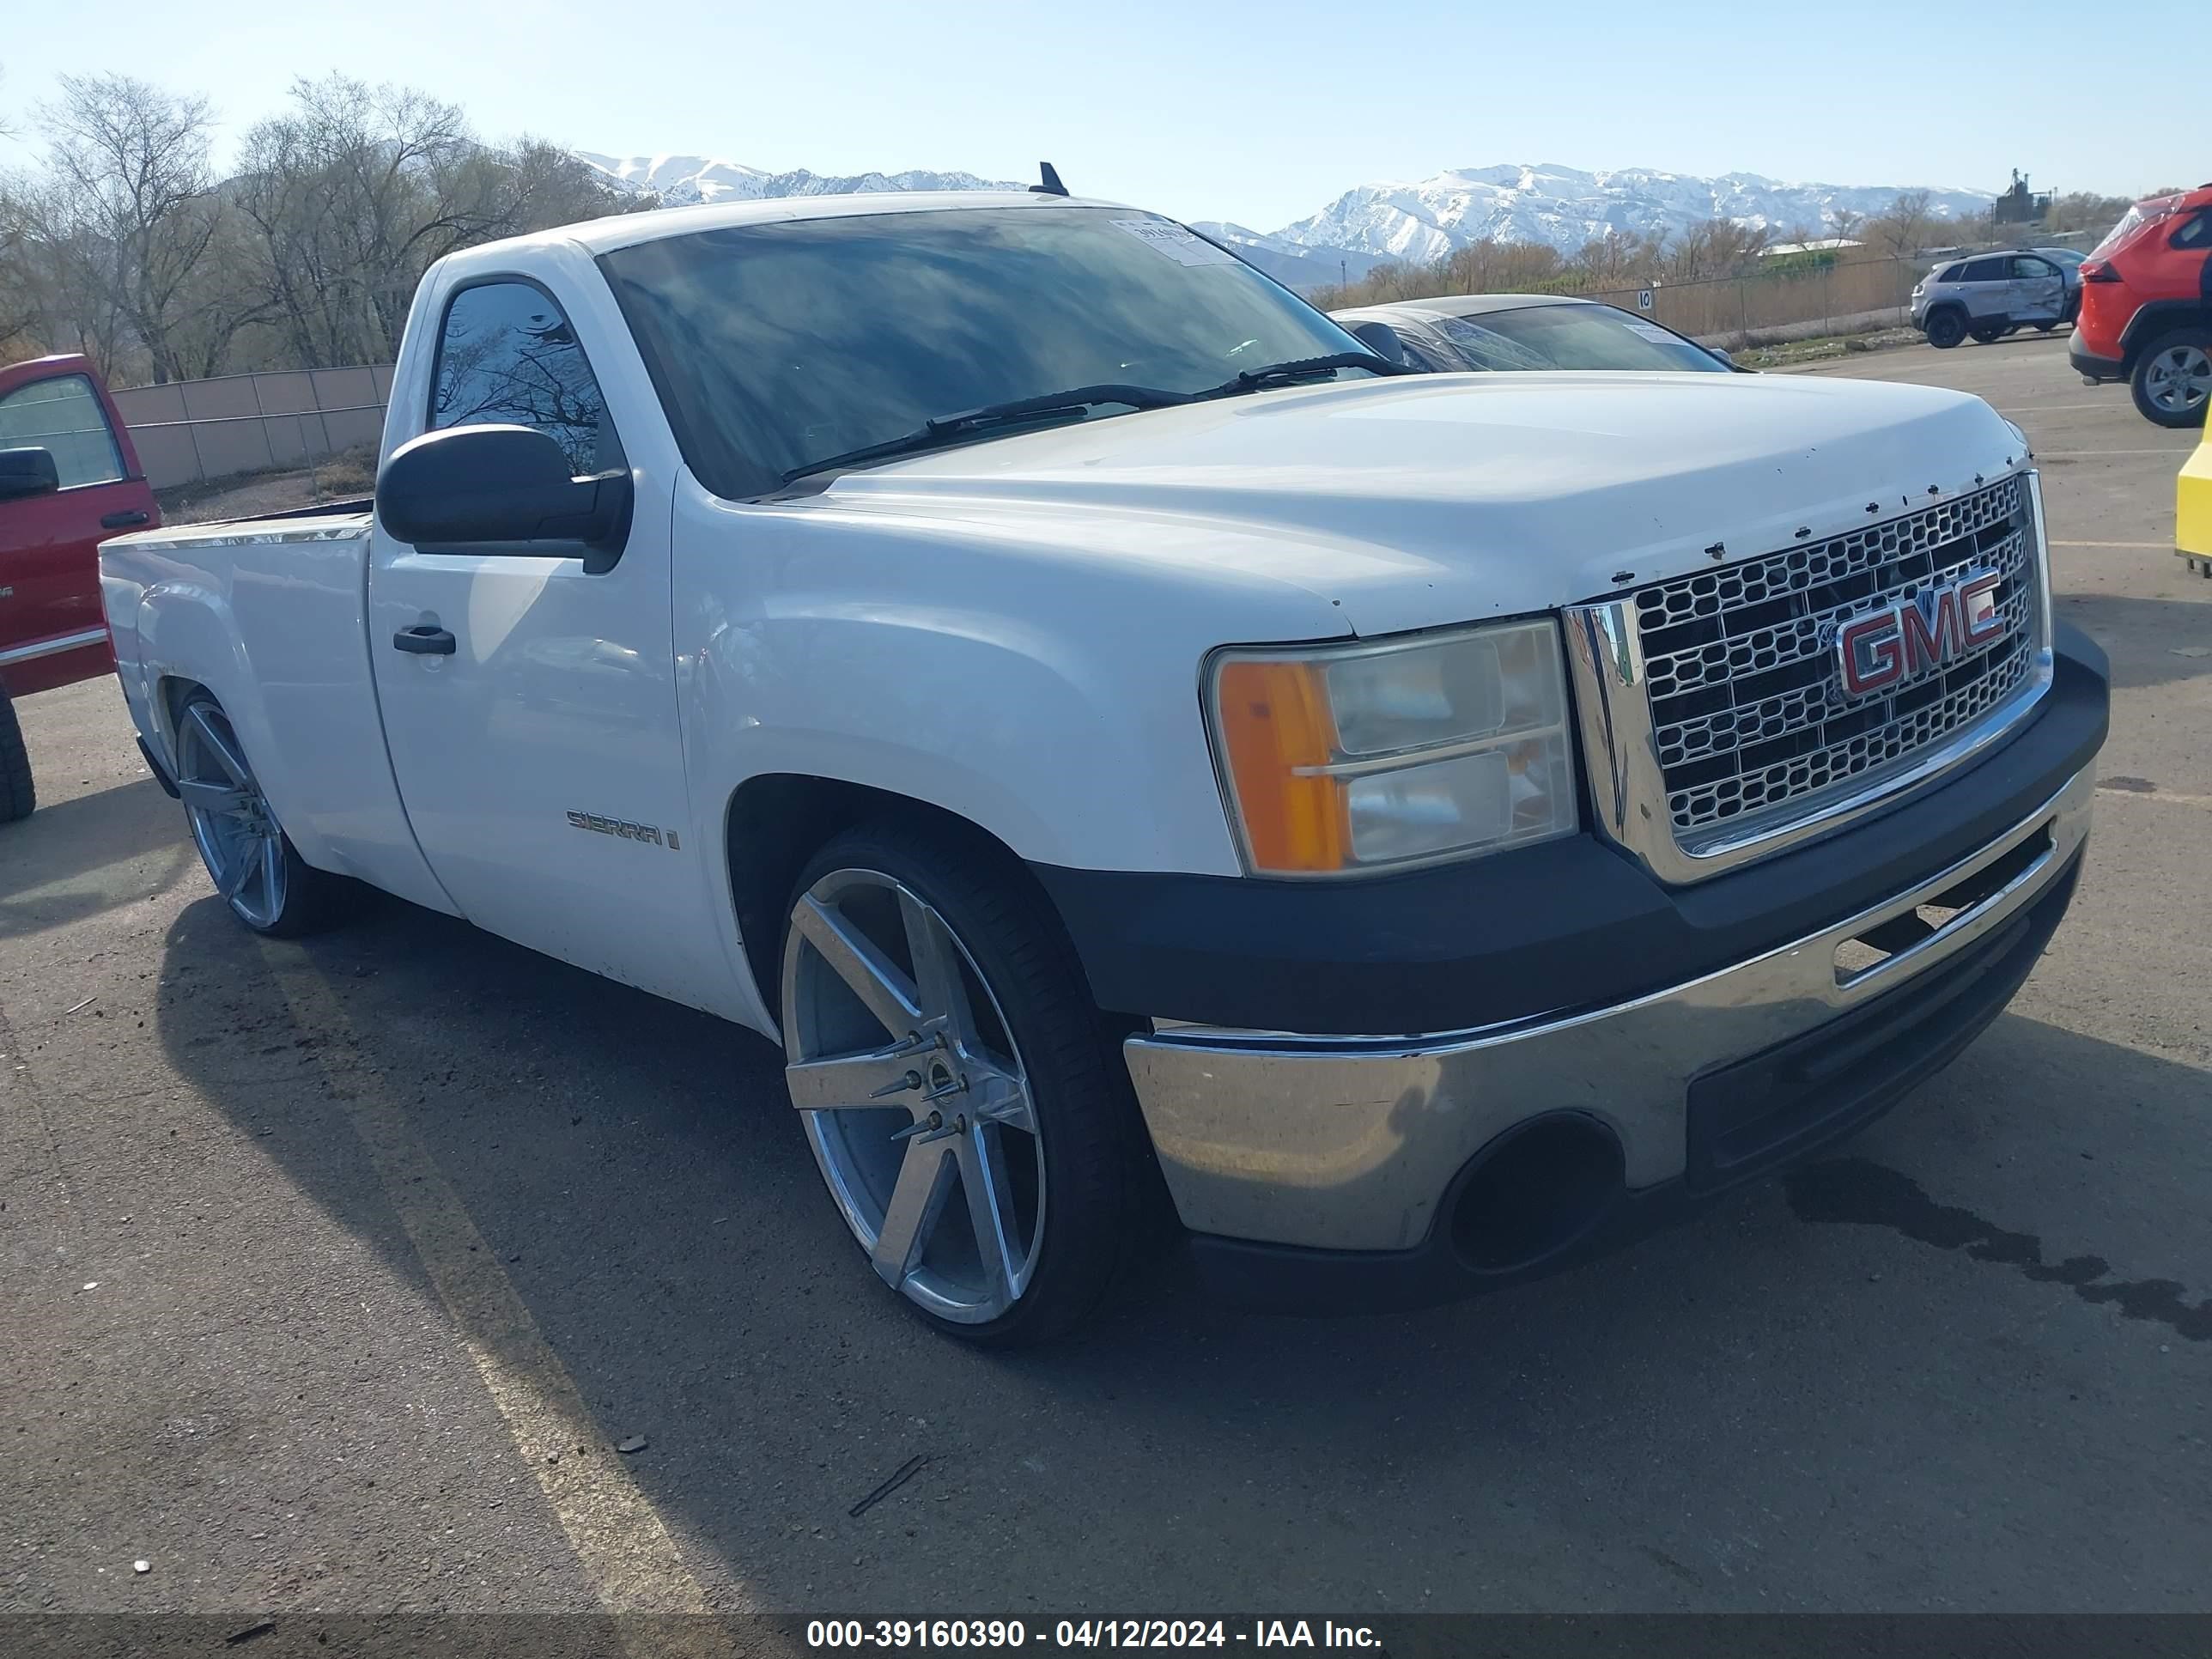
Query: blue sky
1256, 113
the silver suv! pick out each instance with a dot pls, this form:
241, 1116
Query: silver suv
1992, 295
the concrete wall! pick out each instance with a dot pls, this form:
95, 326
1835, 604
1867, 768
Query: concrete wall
190, 431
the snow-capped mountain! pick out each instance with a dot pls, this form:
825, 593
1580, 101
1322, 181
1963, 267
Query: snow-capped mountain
1291, 266
679, 180
1567, 207
1414, 222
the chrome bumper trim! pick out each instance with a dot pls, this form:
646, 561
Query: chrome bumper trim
1349, 1142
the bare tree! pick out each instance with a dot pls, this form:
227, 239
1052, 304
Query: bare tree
358, 190
1902, 230
130, 204
1714, 247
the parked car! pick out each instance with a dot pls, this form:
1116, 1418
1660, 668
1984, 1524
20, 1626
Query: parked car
68, 477
2147, 307
1525, 332
1993, 294
1090, 711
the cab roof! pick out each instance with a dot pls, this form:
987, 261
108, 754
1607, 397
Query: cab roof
597, 236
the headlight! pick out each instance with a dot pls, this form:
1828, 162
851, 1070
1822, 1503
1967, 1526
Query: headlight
1342, 759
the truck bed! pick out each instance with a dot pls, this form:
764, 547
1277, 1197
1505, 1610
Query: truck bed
271, 616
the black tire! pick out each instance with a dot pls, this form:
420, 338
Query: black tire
1989, 333
1945, 329
313, 899
2191, 345
18, 795
1104, 1204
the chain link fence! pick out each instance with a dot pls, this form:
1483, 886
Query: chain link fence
1797, 301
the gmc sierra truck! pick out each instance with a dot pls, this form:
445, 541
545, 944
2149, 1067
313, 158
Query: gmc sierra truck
1132, 746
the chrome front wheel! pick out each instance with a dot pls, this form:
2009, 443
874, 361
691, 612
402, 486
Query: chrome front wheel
914, 1096
969, 1111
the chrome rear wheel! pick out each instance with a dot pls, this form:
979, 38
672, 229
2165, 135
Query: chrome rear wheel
238, 836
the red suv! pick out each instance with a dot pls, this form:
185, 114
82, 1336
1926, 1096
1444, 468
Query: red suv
69, 477
2147, 307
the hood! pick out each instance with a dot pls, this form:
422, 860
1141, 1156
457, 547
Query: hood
1414, 502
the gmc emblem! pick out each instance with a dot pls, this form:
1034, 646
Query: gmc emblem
1936, 625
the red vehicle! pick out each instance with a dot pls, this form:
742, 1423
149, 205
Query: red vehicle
69, 477
2147, 307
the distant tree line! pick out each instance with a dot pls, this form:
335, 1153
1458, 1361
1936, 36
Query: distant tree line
1711, 250
125, 244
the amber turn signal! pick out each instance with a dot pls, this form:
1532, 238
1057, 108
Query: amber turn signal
1275, 724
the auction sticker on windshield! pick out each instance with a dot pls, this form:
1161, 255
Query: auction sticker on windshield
1183, 247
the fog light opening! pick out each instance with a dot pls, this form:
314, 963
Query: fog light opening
1539, 1189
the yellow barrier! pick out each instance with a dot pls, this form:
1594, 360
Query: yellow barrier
2192, 513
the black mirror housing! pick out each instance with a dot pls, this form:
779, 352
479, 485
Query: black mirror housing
503, 489
27, 473
1379, 338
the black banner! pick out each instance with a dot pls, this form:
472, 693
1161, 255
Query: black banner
1430, 1636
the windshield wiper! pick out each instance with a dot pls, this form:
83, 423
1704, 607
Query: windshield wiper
940, 429
1300, 368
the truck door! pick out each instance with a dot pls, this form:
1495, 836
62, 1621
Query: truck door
51, 630
1988, 289
530, 706
2038, 291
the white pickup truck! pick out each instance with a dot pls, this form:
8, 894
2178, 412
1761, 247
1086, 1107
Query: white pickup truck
1131, 747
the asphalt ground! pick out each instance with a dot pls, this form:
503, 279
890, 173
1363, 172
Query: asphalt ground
336, 1272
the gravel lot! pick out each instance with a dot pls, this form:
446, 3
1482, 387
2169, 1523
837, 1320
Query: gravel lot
335, 1274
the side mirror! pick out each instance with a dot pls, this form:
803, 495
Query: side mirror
1723, 355
27, 473
1382, 339
503, 489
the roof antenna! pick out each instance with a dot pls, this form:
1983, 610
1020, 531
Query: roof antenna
1051, 186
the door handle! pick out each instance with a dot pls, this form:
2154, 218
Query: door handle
122, 520
424, 640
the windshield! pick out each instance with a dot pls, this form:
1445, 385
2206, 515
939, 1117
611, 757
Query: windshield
1569, 337
778, 346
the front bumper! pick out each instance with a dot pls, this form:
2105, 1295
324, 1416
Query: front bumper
1352, 1148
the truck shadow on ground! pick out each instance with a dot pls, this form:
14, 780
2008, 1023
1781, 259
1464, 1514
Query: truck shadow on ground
88, 853
637, 1167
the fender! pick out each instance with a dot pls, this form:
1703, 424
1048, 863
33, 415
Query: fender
2154, 317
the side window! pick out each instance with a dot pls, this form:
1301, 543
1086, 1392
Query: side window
2197, 233
2032, 269
507, 356
1983, 271
63, 415
1950, 273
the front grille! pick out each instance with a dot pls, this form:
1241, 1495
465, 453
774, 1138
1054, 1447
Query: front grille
1746, 708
